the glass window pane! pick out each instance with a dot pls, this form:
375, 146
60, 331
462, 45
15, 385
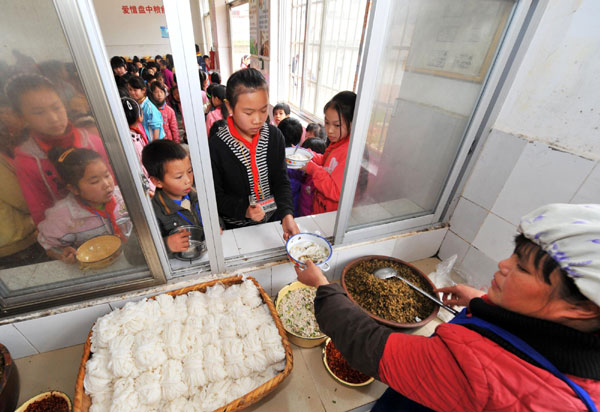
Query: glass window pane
240, 34
64, 220
437, 57
154, 87
339, 46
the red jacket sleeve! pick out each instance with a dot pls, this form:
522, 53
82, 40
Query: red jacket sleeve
330, 185
426, 370
317, 158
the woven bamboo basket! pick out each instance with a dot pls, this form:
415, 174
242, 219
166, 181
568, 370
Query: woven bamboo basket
82, 402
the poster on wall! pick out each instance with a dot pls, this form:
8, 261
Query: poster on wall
259, 35
458, 41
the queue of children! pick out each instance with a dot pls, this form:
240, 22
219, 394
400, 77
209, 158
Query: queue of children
67, 185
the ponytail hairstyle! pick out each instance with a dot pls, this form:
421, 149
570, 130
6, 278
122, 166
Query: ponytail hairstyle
70, 163
244, 81
343, 103
132, 110
219, 91
20, 84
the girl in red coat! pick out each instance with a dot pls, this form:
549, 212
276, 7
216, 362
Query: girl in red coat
530, 344
327, 170
158, 96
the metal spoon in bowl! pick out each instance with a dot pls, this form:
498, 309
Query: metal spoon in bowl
387, 272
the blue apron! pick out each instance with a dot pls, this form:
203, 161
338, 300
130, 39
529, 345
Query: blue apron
392, 401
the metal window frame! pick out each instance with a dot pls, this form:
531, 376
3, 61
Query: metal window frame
518, 34
82, 35
184, 55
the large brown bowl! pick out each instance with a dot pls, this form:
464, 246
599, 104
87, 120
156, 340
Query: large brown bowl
377, 318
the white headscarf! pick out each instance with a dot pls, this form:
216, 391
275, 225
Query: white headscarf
570, 234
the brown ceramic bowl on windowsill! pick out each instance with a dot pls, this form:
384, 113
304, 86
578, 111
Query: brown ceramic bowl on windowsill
381, 320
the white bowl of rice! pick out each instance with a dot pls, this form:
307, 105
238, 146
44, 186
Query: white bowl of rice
295, 307
297, 159
309, 246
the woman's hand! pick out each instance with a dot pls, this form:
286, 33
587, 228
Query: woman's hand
255, 212
289, 226
312, 275
459, 295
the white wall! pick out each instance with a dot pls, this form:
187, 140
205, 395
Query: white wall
555, 98
131, 34
544, 146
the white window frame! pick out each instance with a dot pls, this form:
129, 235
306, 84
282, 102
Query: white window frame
78, 16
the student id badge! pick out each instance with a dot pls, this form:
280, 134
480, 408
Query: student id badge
268, 204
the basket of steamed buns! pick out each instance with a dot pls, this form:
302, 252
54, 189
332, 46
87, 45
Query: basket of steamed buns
216, 346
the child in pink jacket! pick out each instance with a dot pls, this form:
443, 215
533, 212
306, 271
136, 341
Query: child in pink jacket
158, 96
93, 207
35, 99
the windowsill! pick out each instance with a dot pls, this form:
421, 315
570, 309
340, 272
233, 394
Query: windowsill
36, 277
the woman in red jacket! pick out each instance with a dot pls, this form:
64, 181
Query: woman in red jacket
327, 170
530, 344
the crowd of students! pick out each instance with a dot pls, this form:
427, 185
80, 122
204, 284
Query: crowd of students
58, 188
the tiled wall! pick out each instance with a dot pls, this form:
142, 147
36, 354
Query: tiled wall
71, 328
512, 176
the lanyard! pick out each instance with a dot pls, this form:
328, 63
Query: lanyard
195, 207
259, 194
463, 319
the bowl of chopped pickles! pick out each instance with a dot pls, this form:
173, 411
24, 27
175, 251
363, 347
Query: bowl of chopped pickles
389, 301
296, 309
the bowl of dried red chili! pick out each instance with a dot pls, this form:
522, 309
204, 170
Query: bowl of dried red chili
52, 401
339, 368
